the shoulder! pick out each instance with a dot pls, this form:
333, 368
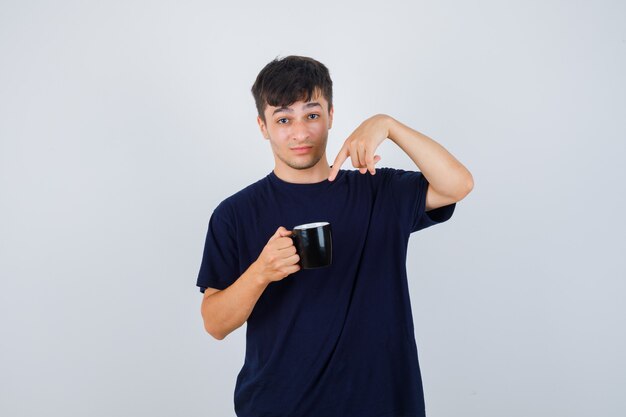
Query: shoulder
383, 176
402, 176
239, 201
381, 172
386, 181
387, 176
397, 172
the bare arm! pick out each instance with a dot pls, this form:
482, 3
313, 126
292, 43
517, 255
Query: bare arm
449, 180
445, 174
227, 310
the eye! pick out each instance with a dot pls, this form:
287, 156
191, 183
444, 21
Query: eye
316, 116
281, 121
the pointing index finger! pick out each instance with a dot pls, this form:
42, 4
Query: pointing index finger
339, 160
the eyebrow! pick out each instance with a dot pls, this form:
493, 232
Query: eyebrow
306, 106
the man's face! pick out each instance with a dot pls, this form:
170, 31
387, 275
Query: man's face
298, 133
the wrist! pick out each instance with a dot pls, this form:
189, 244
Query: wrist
391, 125
257, 276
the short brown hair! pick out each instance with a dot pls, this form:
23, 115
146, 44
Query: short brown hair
284, 81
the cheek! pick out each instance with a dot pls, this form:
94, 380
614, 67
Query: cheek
318, 129
277, 135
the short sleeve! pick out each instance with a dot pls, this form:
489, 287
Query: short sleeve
409, 190
219, 267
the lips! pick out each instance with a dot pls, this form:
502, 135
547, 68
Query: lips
302, 149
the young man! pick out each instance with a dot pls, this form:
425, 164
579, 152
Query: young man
336, 341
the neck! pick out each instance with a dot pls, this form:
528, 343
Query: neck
317, 173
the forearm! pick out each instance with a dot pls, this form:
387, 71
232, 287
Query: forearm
227, 310
442, 170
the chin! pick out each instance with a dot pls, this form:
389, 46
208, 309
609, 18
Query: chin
304, 164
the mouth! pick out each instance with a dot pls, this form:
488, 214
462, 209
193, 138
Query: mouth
302, 149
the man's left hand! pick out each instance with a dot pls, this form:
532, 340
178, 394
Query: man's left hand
361, 145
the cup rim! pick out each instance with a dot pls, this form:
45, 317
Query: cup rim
310, 225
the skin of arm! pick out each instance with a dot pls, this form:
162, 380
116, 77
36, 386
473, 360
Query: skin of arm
449, 181
225, 310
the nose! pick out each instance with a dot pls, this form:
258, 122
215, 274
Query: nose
299, 130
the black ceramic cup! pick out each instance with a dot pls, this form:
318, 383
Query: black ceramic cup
314, 244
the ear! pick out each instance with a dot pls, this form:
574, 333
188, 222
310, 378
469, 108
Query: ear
262, 127
330, 116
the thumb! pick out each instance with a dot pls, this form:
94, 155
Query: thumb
283, 231
280, 232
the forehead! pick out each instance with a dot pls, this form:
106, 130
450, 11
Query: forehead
317, 100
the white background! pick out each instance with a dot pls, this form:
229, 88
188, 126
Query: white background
124, 123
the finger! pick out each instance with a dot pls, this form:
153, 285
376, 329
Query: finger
283, 242
377, 158
292, 260
362, 150
354, 155
278, 234
287, 251
339, 160
292, 269
361, 158
369, 161
285, 232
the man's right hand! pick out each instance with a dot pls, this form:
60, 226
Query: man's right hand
226, 310
278, 258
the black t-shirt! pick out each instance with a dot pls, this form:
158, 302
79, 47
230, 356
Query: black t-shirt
336, 341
